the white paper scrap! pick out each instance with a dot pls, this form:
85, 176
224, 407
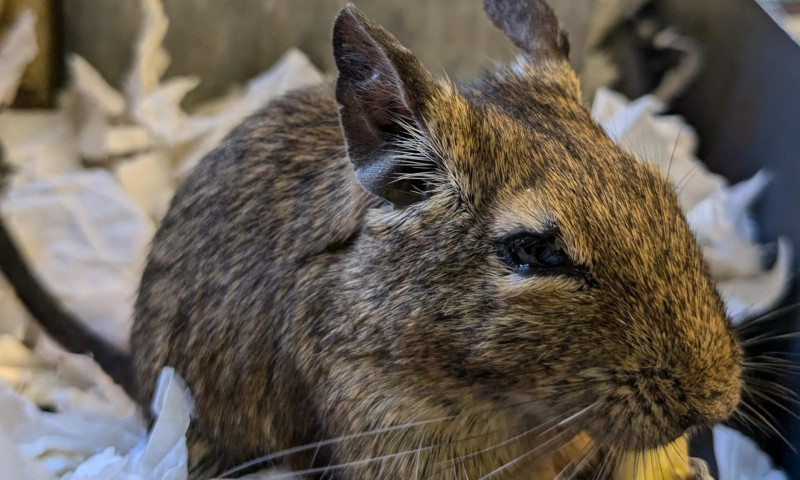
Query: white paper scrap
87, 240
93, 88
150, 58
16, 465
726, 232
160, 112
748, 297
173, 406
162, 454
739, 458
38, 144
147, 179
61, 441
17, 51
99, 140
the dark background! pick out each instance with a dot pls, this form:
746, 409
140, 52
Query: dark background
745, 105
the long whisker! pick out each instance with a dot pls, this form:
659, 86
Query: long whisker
770, 360
779, 370
660, 470
332, 441
417, 460
752, 391
522, 457
768, 424
354, 463
780, 391
382, 458
549, 426
614, 462
766, 357
788, 354
644, 458
315, 445
674, 147
749, 423
688, 176
757, 340
648, 460
766, 317
770, 357
608, 463
768, 418
586, 455
639, 456
669, 168
618, 455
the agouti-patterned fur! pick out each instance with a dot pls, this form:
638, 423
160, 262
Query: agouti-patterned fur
336, 266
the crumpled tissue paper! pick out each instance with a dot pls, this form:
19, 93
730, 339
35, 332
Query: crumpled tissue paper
739, 458
88, 242
18, 49
90, 410
85, 232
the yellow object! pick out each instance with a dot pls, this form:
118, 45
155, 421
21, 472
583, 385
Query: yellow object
666, 463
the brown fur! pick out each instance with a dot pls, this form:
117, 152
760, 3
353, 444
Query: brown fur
300, 307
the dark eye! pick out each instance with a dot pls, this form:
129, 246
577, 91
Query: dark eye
531, 253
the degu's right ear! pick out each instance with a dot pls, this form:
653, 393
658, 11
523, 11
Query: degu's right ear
382, 91
531, 25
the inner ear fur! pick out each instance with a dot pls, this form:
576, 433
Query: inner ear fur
383, 92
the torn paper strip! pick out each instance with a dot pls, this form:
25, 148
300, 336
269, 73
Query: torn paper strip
159, 111
16, 52
750, 296
61, 441
93, 88
150, 58
100, 140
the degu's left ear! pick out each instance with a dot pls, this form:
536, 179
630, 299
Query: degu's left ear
382, 90
531, 25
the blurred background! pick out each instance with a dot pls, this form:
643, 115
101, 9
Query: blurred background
228, 42
730, 67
